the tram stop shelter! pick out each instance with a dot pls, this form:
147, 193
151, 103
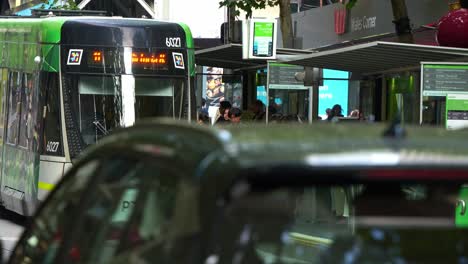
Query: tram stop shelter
230, 56
383, 65
368, 61
379, 57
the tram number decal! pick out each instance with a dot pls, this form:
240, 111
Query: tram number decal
52, 146
173, 42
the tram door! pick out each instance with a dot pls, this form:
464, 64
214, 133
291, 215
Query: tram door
3, 89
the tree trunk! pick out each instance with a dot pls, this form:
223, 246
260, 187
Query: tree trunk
402, 22
231, 21
286, 23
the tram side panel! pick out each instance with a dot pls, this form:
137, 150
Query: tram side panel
52, 153
21, 139
32, 157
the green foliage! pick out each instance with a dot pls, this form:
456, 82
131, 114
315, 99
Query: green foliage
351, 4
248, 5
68, 5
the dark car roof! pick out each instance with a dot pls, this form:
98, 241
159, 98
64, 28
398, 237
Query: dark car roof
313, 147
188, 144
421, 145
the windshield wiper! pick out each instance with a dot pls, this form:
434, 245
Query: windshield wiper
100, 127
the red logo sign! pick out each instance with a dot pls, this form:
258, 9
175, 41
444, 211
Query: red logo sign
340, 21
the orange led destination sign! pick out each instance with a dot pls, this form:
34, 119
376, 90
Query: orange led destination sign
145, 58
97, 57
141, 58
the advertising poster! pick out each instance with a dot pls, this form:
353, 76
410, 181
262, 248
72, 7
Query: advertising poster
214, 86
263, 39
331, 93
457, 111
335, 90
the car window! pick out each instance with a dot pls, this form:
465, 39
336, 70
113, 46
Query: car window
44, 237
167, 224
364, 223
125, 208
55, 225
125, 203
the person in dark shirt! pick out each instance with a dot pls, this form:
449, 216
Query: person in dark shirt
235, 115
223, 112
258, 108
335, 113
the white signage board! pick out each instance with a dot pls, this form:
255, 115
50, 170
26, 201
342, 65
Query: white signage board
457, 111
259, 39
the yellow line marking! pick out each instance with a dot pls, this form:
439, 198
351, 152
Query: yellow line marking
46, 186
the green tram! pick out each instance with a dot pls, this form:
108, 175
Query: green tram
68, 81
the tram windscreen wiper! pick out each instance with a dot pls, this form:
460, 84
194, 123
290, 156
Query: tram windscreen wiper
100, 127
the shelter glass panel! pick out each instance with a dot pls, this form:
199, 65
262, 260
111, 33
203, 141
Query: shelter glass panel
288, 98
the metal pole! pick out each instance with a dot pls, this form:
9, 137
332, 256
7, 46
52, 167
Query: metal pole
83, 4
268, 92
421, 106
311, 103
147, 8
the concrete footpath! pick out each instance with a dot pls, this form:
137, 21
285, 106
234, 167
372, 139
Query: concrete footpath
11, 228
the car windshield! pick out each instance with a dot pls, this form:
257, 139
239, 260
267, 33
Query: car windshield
108, 209
359, 223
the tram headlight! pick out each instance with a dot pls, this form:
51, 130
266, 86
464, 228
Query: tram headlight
37, 59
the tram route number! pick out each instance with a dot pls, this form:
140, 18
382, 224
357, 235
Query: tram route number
52, 146
173, 42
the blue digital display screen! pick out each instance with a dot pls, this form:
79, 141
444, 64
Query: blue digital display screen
333, 91
262, 94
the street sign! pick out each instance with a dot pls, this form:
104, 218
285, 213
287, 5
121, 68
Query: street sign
440, 79
457, 111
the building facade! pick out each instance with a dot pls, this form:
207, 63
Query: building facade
333, 24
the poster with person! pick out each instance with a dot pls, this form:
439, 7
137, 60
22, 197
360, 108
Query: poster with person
214, 86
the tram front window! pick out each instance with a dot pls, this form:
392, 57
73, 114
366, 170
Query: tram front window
107, 102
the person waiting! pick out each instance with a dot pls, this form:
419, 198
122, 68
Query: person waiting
222, 116
258, 108
336, 112
235, 115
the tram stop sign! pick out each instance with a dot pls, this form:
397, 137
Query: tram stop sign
259, 37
